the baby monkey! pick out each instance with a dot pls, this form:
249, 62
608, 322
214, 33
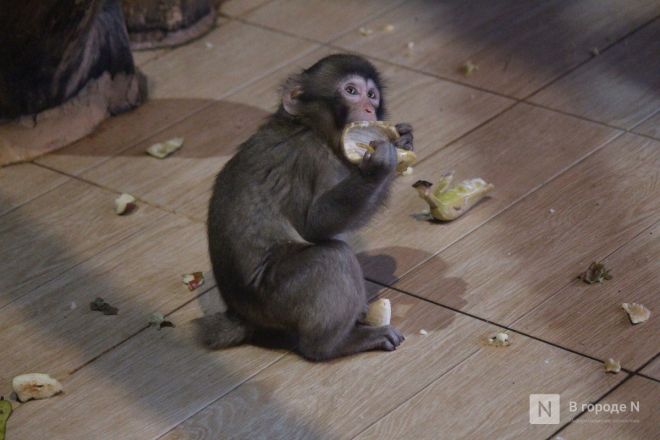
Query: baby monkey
280, 207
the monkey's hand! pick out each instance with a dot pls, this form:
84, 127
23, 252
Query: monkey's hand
405, 140
382, 162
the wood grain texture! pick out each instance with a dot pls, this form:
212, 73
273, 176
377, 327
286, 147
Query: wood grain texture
58, 231
487, 396
210, 139
518, 46
653, 369
119, 133
140, 275
240, 53
144, 387
235, 8
650, 127
23, 182
296, 399
317, 19
142, 57
518, 151
589, 318
619, 87
518, 259
624, 425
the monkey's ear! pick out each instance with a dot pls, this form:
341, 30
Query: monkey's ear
291, 92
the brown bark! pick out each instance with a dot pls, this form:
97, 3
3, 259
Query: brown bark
163, 23
65, 65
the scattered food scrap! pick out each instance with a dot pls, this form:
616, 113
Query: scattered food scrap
209, 45
407, 172
500, 339
158, 320
5, 412
423, 332
357, 136
411, 48
163, 149
636, 312
595, 273
193, 280
388, 28
450, 202
469, 68
364, 31
35, 386
612, 366
552, 210
99, 305
595, 52
379, 313
125, 204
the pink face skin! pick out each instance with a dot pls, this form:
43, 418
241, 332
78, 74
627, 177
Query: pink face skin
362, 97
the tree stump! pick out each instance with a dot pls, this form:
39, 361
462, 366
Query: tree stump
65, 65
164, 23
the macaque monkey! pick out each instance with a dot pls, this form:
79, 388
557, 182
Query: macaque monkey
279, 210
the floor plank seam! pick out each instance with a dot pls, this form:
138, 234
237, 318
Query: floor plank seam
607, 393
137, 332
69, 269
644, 231
602, 52
520, 199
231, 390
430, 383
246, 12
14, 208
494, 323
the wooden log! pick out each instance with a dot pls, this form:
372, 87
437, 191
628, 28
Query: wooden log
65, 65
165, 23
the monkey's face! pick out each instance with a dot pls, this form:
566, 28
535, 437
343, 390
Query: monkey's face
361, 98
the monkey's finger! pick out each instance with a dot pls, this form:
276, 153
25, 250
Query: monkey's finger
404, 128
404, 142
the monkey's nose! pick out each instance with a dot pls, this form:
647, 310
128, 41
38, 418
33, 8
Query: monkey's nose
369, 109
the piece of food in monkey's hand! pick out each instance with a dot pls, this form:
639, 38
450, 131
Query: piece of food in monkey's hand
499, 339
636, 312
357, 136
379, 313
163, 149
595, 273
99, 305
193, 280
35, 386
449, 202
612, 366
158, 320
5, 412
125, 204
407, 172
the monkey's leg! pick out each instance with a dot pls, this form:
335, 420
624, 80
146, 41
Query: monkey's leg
320, 291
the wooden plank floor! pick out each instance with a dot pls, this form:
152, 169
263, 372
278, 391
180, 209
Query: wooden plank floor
569, 138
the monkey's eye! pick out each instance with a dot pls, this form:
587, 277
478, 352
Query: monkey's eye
351, 90
371, 94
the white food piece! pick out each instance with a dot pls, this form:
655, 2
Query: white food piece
379, 313
365, 31
388, 28
636, 312
407, 172
35, 386
500, 339
209, 45
163, 149
612, 366
357, 136
423, 332
552, 210
122, 203
411, 45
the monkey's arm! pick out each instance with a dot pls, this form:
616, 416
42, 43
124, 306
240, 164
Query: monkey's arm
351, 202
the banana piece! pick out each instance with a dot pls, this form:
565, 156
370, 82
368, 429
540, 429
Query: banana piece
379, 313
356, 137
449, 202
35, 386
5, 412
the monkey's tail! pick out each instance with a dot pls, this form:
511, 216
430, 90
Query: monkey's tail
224, 330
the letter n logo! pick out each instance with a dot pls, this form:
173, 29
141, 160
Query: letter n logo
544, 409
